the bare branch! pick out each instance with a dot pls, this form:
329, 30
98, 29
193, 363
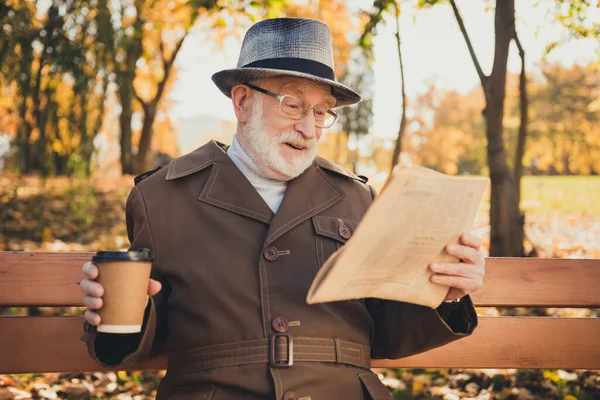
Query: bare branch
482, 77
167, 65
138, 97
400, 137
161, 49
521, 51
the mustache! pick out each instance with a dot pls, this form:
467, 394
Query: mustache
296, 139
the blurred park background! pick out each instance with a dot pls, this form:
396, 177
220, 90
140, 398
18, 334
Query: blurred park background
93, 92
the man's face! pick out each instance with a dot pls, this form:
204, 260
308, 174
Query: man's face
283, 147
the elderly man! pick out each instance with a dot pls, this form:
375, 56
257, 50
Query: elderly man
239, 232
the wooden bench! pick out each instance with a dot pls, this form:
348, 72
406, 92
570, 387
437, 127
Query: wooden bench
51, 344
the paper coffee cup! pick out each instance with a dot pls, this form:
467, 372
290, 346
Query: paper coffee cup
124, 275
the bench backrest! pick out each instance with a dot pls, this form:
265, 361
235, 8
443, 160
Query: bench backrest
51, 344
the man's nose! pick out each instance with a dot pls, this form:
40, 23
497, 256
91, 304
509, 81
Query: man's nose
306, 126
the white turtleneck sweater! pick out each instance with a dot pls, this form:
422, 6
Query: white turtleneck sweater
270, 190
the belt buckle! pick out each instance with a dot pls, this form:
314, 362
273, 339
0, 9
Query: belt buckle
290, 351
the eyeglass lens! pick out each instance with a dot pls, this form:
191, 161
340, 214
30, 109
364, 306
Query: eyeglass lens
297, 108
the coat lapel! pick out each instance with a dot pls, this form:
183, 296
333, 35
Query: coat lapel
309, 194
227, 187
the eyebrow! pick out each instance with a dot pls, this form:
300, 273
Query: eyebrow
296, 89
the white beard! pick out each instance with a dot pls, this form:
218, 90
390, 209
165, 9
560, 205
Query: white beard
265, 147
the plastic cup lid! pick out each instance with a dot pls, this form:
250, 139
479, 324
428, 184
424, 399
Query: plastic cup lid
139, 255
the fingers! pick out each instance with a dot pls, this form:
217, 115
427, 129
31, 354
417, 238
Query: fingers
90, 270
464, 276
465, 253
455, 269
93, 303
91, 288
468, 239
92, 317
465, 285
154, 287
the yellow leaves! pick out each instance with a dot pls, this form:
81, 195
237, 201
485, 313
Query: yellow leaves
221, 22
46, 234
552, 375
122, 375
570, 397
594, 106
417, 388
420, 383
341, 21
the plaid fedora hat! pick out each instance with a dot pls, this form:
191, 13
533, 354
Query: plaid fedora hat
287, 46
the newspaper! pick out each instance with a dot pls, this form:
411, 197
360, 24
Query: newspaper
417, 214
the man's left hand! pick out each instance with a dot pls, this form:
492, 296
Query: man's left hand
466, 276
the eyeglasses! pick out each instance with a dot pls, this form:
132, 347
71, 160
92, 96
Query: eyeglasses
296, 108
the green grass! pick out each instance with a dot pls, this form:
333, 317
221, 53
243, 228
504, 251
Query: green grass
559, 195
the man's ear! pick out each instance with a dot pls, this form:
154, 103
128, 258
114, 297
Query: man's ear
241, 96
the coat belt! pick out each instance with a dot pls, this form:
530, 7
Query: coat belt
279, 350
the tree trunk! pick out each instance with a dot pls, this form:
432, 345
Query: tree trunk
524, 106
25, 156
143, 159
506, 220
40, 105
125, 72
398, 148
88, 149
125, 98
507, 234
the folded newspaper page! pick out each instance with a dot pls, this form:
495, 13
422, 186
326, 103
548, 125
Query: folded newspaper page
408, 226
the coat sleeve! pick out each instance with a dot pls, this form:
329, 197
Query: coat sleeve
404, 329
110, 349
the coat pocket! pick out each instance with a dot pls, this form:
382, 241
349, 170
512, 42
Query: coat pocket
200, 392
331, 233
372, 388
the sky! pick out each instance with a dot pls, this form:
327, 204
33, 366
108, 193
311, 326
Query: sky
433, 49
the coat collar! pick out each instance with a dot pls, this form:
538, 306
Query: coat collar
227, 188
195, 161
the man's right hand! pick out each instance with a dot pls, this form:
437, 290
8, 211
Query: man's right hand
93, 291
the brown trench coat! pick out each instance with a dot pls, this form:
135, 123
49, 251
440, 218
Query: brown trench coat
233, 272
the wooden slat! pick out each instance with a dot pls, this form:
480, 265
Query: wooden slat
41, 279
39, 344
516, 342
50, 279
49, 344
540, 282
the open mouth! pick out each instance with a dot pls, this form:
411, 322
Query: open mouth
295, 146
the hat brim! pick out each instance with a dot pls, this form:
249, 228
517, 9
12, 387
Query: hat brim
228, 78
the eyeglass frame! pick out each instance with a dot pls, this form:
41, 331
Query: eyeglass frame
280, 98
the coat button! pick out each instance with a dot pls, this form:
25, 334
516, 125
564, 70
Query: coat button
290, 396
280, 324
271, 253
344, 232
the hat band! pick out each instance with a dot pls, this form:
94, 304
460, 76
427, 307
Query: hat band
296, 65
